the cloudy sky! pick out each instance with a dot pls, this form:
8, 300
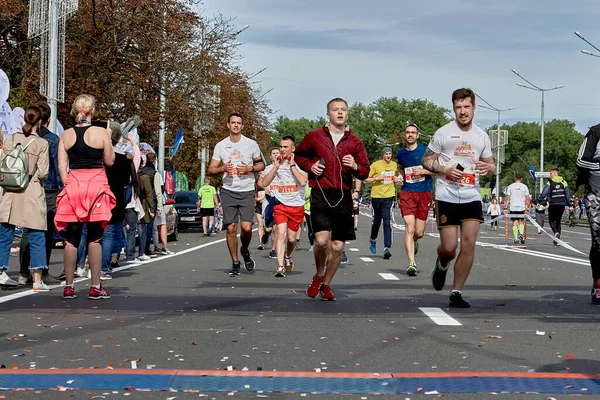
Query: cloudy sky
365, 49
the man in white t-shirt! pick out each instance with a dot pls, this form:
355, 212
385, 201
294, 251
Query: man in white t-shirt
287, 182
459, 153
518, 201
237, 158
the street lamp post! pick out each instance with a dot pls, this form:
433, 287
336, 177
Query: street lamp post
490, 107
531, 86
589, 53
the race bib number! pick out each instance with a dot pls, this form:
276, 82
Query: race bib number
287, 189
388, 177
411, 177
469, 178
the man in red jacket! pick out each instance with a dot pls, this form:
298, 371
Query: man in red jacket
333, 156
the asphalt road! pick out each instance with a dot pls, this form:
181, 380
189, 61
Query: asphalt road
530, 313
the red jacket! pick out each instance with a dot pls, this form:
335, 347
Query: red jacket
318, 144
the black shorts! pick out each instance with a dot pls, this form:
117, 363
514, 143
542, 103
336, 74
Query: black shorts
258, 208
338, 220
452, 214
517, 218
207, 212
355, 211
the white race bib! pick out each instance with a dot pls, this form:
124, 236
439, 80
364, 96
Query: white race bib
411, 177
470, 177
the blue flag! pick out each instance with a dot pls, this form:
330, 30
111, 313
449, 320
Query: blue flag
178, 141
532, 172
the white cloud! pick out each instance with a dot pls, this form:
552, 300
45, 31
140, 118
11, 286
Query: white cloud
361, 51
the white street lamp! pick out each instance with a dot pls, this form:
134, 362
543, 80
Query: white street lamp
490, 107
531, 86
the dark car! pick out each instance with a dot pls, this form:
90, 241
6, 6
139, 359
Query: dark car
186, 204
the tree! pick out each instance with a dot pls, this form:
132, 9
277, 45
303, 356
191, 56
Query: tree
561, 144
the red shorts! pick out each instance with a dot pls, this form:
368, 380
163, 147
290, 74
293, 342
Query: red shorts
415, 203
290, 215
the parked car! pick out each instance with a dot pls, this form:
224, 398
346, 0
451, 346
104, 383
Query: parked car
186, 204
172, 220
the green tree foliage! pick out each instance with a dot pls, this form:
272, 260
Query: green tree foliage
561, 144
376, 124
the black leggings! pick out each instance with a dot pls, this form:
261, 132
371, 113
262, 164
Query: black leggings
309, 229
555, 213
72, 233
592, 208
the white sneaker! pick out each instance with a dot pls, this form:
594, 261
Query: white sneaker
310, 248
40, 287
143, 257
6, 281
81, 272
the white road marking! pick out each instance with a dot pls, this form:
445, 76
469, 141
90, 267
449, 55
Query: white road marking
439, 317
367, 259
389, 277
14, 296
353, 249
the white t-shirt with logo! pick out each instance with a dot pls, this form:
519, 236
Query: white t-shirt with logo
456, 146
284, 185
518, 192
244, 151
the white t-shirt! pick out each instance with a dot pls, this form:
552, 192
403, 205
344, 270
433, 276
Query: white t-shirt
456, 146
518, 192
284, 185
243, 151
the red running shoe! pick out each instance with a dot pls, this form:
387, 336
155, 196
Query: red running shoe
326, 294
98, 294
69, 292
315, 286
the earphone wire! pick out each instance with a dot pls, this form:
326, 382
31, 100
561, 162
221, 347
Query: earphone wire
341, 182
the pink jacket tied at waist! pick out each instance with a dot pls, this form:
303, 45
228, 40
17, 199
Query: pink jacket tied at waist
85, 198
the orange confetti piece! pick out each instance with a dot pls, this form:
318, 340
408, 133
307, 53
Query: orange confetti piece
351, 353
568, 386
384, 341
293, 291
415, 363
195, 343
570, 356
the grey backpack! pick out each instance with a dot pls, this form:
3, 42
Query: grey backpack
14, 170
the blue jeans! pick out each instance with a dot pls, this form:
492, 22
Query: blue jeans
37, 246
144, 228
108, 240
382, 209
149, 230
82, 250
131, 219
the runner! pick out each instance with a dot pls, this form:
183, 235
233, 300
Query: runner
288, 208
268, 219
415, 197
518, 201
494, 211
333, 155
207, 201
588, 167
557, 193
237, 158
459, 153
382, 177
541, 204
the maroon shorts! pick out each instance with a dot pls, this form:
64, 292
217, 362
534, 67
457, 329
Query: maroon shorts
290, 215
415, 203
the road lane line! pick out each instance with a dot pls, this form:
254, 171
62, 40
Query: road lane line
439, 317
367, 259
353, 249
389, 277
14, 296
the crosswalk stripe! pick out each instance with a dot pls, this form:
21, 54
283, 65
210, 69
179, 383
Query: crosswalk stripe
439, 317
367, 259
389, 277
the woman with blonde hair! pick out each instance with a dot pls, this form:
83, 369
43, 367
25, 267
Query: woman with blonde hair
26, 207
86, 197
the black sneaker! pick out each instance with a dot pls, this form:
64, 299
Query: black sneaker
62, 276
522, 238
457, 301
248, 261
438, 276
386, 254
261, 247
113, 265
235, 270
